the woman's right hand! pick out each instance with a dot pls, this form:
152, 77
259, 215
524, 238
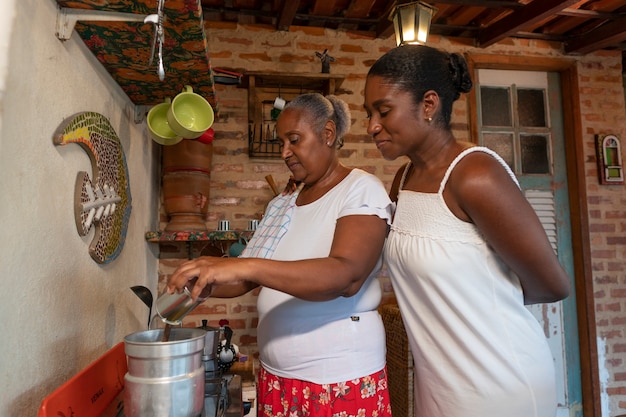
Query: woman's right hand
291, 187
219, 272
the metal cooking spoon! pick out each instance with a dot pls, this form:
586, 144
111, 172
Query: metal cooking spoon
144, 295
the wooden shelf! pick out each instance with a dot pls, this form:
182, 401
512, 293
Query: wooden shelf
191, 236
319, 82
191, 244
263, 88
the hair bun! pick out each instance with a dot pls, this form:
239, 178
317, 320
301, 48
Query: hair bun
460, 74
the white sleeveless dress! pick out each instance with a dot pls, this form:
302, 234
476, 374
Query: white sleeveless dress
478, 351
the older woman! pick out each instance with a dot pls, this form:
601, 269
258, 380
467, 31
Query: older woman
316, 255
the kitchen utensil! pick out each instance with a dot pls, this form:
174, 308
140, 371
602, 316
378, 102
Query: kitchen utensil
279, 103
207, 137
157, 38
173, 307
236, 248
158, 124
164, 379
270, 181
154, 19
223, 226
144, 295
226, 353
252, 225
190, 115
211, 340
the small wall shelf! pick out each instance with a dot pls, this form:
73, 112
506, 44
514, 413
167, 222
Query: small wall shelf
263, 88
191, 236
192, 244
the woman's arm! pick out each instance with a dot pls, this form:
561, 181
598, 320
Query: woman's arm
481, 188
232, 291
356, 247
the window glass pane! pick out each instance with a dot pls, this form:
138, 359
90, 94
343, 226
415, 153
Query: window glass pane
534, 154
502, 144
531, 108
495, 106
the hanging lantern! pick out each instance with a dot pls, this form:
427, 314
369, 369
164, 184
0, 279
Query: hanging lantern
411, 22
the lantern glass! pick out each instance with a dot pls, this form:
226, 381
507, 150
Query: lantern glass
411, 22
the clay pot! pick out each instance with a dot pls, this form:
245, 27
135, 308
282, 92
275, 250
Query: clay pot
188, 155
186, 185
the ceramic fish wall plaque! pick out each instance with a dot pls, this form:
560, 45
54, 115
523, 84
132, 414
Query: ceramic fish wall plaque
104, 202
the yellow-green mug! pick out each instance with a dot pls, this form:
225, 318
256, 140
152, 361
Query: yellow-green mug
158, 125
190, 115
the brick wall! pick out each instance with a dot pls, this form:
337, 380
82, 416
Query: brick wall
602, 103
239, 191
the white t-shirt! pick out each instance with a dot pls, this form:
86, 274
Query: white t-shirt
330, 341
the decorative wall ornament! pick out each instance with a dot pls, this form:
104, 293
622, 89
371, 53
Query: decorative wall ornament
326, 60
609, 157
105, 202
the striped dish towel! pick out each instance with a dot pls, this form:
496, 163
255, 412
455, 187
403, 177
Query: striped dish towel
272, 227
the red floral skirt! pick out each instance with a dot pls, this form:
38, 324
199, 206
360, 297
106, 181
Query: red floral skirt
362, 397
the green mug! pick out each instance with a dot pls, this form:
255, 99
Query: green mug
237, 248
190, 115
159, 127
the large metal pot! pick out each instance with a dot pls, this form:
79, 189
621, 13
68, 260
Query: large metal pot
164, 379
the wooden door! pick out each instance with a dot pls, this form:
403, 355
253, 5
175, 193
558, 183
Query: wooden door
520, 116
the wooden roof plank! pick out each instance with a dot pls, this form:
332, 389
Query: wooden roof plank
360, 8
521, 19
605, 36
286, 15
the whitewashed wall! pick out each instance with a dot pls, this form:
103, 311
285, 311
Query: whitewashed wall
60, 310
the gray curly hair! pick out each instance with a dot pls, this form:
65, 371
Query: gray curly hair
322, 109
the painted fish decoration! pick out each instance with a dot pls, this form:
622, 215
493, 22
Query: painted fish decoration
103, 203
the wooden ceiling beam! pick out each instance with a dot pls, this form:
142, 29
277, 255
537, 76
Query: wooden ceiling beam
286, 14
384, 28
604, 36
521, 19
490, 4
360, 8
323, 8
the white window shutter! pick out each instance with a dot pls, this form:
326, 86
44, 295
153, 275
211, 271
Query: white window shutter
543, 203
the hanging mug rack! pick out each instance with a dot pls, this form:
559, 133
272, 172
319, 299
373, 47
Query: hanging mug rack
262, 140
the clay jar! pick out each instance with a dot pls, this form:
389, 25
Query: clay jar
186, 185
